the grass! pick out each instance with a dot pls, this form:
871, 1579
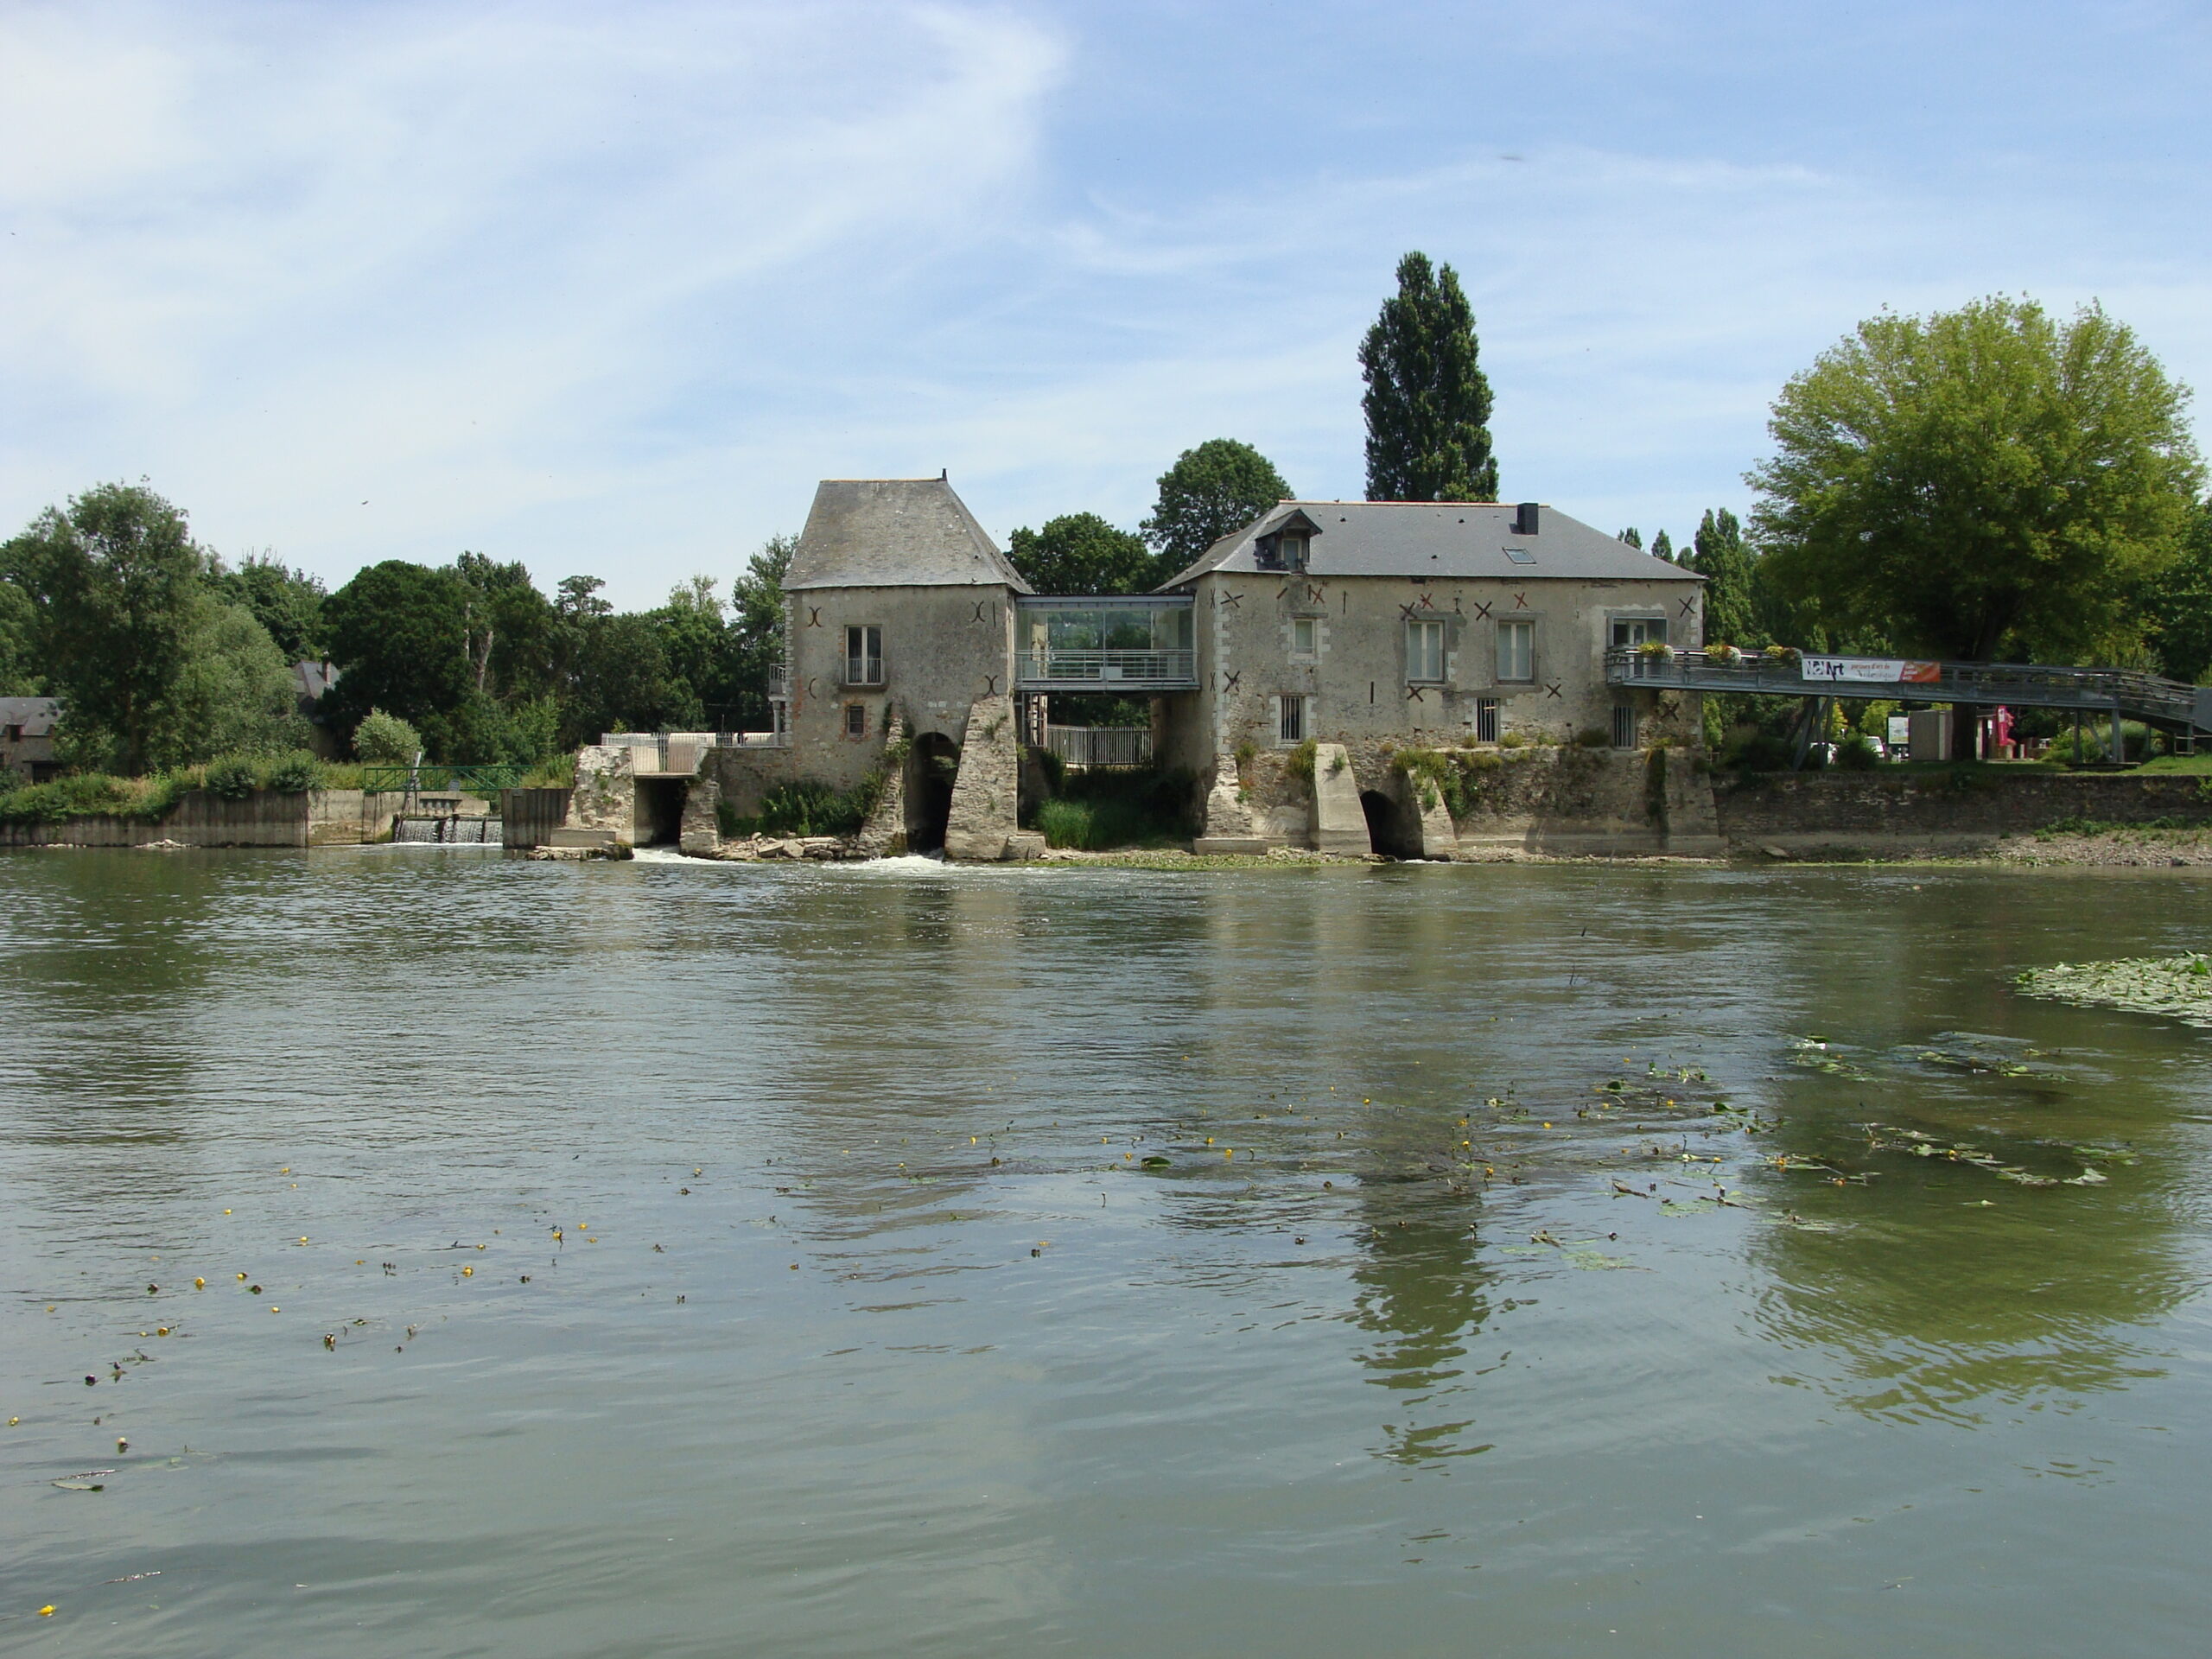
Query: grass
151, 799
805, 809
1102, 809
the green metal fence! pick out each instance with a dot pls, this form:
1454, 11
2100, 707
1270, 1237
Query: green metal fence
486, 781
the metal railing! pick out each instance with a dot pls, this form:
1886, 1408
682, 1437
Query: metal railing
485, 780
779, 680
2020, 685
1101, 746
1139, 669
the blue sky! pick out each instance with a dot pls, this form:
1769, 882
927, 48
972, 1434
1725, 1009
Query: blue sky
606, 288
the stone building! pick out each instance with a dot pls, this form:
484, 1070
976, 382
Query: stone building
1379, 626
1291, 672
26, 732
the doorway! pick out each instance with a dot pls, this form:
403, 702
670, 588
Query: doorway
931, 767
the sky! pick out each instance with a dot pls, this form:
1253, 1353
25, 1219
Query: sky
606, 288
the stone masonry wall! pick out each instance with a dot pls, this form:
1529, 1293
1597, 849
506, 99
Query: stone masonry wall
1897, 813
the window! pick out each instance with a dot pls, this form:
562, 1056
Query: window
1304, 633
1294, 552
856, 719
1520, 556
864, 656
1639, 631
1291, 720
1516, 650
1485, 719
1424, 651
1623, 725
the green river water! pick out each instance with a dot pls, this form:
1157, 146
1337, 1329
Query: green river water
868, 1328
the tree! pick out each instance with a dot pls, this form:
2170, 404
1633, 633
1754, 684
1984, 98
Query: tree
19, 652
756, 630
696, 639
1662, 547
386, 740
1981, 483
621, 680
1220, 486
115, 582
1081, 553
287, 603
236, 695
1717, 553
399, 632
2178, 605
1632, 535
1428, 401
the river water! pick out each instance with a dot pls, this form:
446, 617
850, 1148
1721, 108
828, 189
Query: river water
683, 1259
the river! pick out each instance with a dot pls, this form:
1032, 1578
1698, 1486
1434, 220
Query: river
669, 1258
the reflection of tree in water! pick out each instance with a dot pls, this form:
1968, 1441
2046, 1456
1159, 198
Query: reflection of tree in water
1937, 1306
1422, 1294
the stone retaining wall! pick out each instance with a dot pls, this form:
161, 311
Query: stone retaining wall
1897, 814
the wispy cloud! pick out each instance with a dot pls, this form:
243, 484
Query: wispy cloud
606, 289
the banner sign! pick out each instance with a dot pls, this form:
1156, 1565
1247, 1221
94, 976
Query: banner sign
1884, 671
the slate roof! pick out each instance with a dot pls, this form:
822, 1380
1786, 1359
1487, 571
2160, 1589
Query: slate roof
895, 532
37, 715
1439, 538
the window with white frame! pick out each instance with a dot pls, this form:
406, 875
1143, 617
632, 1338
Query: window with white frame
1304, 636
1291, 719
864, 656
1425, 652
1516, 650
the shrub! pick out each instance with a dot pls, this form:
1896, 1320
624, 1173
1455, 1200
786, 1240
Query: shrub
1593, 737
1103, 810
559, 772
95, 794
386, 740
1511, 741
1856, 753
1053, 767
232, 777
805, 809
1300, 762
1758, 751
295, 773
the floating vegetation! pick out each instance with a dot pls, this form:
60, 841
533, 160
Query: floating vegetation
2179, 987
1915, 1144
1819, 1054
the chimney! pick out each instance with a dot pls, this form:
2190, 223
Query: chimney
1527, 517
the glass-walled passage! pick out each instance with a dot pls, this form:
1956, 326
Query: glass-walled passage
1142, 643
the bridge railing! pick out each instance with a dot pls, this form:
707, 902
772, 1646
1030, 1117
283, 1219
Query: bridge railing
2016, 684
1057, 665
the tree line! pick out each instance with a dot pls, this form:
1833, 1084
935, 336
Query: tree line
1992, 483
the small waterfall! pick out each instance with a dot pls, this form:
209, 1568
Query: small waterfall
448, 831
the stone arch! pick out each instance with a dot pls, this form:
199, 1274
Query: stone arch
931, 766
1391, 830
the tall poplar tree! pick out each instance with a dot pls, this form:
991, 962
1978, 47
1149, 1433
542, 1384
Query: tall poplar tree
1718, 553
1428, 402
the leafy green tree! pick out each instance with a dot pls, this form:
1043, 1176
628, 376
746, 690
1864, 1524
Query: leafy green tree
19, 653
235, 696
1981, 483
1081, 553
1662, 547
286, 603
512, 630
115, 582
756, 631
1720, 555
1220, 486
1428, 402
621, 680
400, 634
696, 638
1632, 535
386, 740
2178, 606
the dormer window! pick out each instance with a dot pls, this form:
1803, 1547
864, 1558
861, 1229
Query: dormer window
1293, 549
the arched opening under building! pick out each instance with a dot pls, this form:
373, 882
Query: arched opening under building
659, 817
1387, 831
931, 766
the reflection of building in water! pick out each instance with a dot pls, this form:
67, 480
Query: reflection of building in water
1423, 1294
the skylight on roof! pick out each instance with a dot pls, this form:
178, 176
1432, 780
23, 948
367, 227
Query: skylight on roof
1520, 556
